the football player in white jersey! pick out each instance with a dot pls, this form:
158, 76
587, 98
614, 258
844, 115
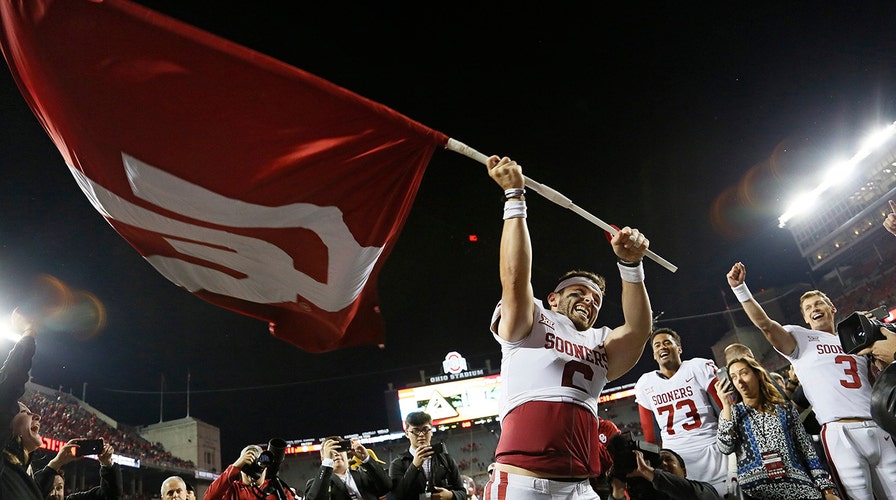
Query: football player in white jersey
679, 398
862, 456
554, 361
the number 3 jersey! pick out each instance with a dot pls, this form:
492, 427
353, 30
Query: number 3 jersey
835, 383
681, 405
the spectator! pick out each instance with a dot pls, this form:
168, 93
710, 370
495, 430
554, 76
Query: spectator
421, 469
51, 478
337, 481
236, 484
736, 350
555, 362
679, 397
606, 429
174, 488
775, 455
20, 431
471, 487
191, 492
861, 454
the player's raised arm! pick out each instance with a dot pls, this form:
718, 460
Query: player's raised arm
517, 297
626, 343
777, 336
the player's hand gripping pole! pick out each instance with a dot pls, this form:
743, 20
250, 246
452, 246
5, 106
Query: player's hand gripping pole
556, 197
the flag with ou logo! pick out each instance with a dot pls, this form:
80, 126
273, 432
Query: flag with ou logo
256, 186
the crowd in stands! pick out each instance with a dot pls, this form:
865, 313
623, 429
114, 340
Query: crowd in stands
63, 418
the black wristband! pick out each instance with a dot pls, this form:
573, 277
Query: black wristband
628, 264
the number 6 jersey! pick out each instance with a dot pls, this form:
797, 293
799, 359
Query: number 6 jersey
550, 383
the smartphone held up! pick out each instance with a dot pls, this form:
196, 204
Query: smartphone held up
86, 447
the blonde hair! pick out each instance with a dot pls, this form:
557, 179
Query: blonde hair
768, 393
815, 293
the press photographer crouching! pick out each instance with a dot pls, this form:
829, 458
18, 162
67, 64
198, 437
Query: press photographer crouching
253, 476
644, 472
869, 336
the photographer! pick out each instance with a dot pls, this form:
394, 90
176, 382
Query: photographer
52, 479
883, 394
424, 468
668, 481
336, 481
247, 479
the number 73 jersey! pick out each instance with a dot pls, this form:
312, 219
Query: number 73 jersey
681, 405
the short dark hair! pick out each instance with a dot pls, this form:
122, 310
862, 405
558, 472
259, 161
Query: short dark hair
417, 418
677, 457
666, 331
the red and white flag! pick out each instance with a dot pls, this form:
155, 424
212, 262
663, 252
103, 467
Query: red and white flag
252, 184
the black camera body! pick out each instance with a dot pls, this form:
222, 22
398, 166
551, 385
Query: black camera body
269, 460
858, 331
622, 447
622, 450
438, 448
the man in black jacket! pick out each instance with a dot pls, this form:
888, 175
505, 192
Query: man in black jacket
337, 481
423, 469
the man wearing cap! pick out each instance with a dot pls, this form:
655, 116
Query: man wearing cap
554, 361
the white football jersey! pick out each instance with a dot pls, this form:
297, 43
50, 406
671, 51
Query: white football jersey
835, 383
681, 405
555, 362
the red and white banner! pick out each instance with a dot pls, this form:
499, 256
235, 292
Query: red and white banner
252, 184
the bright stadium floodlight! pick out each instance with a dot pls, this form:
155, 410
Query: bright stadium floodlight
839, 173
799, 205
7, 332
876, 140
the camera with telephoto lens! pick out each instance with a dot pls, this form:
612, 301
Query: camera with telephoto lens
622, 447
858, 331
622, 450
269, 460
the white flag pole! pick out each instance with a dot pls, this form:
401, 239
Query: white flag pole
556, 197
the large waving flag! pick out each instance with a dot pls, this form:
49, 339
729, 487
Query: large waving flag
252, 184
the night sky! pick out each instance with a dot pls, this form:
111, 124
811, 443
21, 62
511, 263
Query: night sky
693, 124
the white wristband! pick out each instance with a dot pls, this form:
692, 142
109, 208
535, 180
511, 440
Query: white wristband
631, 274
742, 292
514, 209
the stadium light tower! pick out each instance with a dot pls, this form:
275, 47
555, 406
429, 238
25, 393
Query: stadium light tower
837, 174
